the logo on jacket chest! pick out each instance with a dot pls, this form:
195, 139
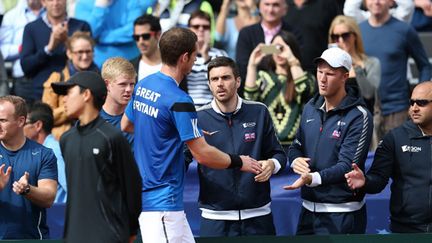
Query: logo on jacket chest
249, 137
412, 149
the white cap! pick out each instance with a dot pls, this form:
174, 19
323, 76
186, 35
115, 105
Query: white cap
336, 58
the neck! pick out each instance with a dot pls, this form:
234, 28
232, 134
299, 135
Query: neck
271, 25
333, 102
113, 108
378, 20
228, 106
55, 21
173, 72
14, 143
299, 3
152, 59
90, 114
427, 130
41, 137
281, 70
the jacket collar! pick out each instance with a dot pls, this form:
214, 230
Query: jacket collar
215, 107
413, 130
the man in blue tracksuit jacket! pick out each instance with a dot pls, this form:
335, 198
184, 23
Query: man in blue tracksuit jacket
335, 132
233, 202
405, 156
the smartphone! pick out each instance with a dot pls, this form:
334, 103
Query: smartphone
270, 49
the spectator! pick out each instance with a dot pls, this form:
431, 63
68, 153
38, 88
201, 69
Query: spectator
392, 42
112, 24
335, 131
223, 212
365, 72
119, 76
38, 127
272, 13
422, 17
103, 179
176, 13
79, 50
312, 18
163, 118
4, 86
31, 187
196, 84
399, 9
43, 49
227, 29
11, 38
404, 156
147, 31
284, 88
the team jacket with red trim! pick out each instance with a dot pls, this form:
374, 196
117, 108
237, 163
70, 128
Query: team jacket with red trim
249, 131
333, 141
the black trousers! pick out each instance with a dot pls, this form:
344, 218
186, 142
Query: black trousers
313, 223
262, 225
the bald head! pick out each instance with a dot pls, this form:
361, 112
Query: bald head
425, 88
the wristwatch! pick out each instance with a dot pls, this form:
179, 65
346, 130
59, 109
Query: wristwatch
26, 190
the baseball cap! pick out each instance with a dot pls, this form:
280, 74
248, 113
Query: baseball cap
336, 58
86, 79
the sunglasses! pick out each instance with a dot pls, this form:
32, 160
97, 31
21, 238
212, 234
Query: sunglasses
197, 26
336, 37
145, 36
420, 103
82, 52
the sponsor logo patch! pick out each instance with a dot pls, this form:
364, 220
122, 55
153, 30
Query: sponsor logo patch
412, 149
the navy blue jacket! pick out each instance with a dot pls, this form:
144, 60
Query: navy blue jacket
405, 156
249, 131
333, 141
36, 64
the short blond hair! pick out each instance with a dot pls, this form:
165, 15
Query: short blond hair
117, 67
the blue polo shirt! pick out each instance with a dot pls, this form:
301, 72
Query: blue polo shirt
19, 218
164, 117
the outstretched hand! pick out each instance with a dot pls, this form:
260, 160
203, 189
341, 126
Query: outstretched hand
355, 178
304, 179
250, 165
4, 176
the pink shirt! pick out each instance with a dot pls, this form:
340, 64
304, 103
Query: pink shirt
270, 33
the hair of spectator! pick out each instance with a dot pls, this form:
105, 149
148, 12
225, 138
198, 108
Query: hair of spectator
223, 62
116, 67
79, 35
150, 20
18, 103
200, 15
353, 27
40, 111
176, 42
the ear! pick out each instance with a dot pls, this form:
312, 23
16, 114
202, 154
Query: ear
69, 54
38, 125
87, 95
238, 82
21, 121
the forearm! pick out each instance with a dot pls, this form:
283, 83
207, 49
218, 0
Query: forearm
42, 196
212, 157
251, 76
296, 69
221, 19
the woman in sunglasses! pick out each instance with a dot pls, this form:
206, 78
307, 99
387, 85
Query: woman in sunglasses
79, 50
282, 84
366, 71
